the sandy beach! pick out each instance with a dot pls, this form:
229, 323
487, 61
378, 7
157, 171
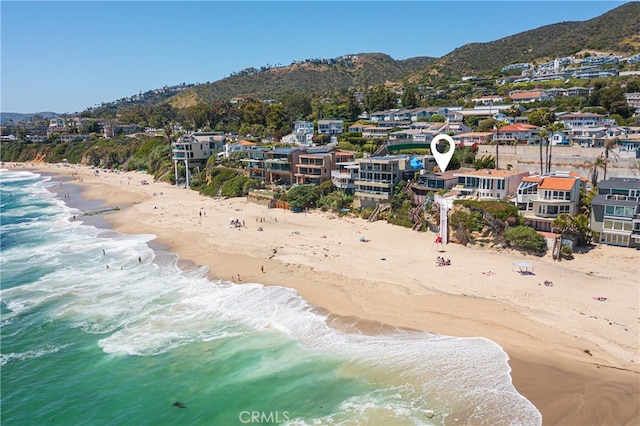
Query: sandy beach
575, 358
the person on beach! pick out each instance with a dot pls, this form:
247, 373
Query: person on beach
262, 268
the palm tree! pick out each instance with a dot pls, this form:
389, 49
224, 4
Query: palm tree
553, 127
608, 146
514, 111
543, 134
593, 172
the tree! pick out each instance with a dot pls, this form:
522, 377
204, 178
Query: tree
379, 98
608, 147
543, 134
302, 196
513, 112
277, 123
353, 107
526, 239
542, 117
552, 127
409, 99
436, 118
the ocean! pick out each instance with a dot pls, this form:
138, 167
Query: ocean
148, 341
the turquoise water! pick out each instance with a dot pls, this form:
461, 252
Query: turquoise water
87, 344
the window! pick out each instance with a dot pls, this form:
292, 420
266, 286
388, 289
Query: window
623, 211
614, 239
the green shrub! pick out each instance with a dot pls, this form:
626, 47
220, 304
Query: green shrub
566, 252
366, 213
400, 216
526, 239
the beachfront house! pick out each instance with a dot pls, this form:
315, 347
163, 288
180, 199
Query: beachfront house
615, 212
377, 177
344, 176
488, 183
279, 165
315, 165
544, 198
434, 182
254, 165
194, 149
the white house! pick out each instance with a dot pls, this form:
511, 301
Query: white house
488, 183
581, 119
330, 127
303, 131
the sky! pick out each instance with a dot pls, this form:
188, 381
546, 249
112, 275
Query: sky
68, 56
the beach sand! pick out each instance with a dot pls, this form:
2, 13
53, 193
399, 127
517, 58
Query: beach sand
575, 358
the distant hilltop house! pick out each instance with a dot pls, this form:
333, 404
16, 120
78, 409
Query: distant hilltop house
330, 127
405, 114
303, 132
517, 133
524, 97
488, 99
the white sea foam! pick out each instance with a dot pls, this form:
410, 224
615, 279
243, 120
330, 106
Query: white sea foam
153, 307
36, 353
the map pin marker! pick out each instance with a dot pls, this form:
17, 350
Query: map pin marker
442, 158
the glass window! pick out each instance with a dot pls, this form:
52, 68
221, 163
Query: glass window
607, 224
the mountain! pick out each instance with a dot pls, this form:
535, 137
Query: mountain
312, 75
16, 117
616, 31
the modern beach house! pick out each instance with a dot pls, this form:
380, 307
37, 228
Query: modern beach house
615, 212
194, 150
377, 177
488, 183
544, 198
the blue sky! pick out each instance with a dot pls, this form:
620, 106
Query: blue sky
68, 56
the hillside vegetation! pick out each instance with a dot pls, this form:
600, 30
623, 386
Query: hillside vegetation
617, 31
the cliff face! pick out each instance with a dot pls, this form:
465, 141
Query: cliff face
475, 227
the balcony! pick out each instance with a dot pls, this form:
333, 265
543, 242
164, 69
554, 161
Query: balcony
373, 194
619, 197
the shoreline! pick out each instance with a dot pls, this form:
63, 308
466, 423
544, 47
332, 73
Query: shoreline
385, 283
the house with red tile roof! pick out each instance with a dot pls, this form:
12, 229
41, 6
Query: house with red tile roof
518, 133
524, 97
544, 198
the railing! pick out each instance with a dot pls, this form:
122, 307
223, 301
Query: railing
620, 197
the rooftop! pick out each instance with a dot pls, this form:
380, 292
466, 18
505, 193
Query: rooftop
563, 184
490, 172
620, 182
